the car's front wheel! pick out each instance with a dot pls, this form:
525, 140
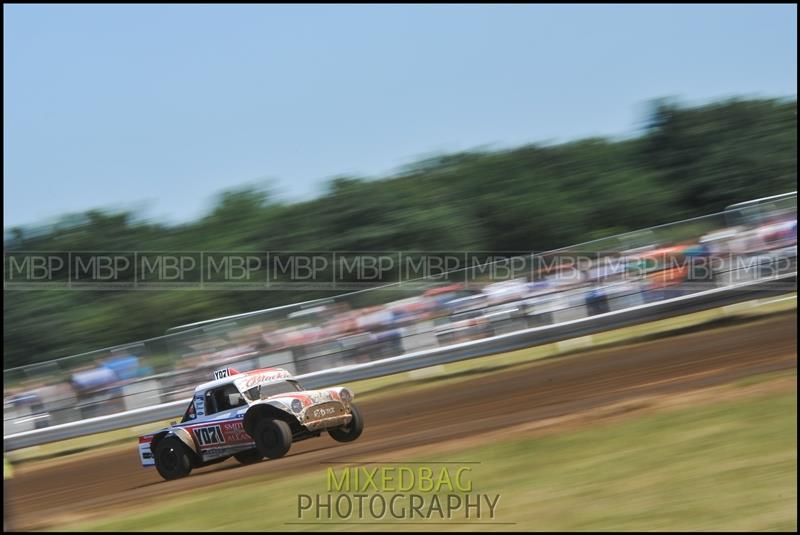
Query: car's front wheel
273, 438
352, 430
248, 457
172, 458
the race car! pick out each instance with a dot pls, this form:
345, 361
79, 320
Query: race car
249, 416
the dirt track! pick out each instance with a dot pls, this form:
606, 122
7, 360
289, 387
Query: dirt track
40, 497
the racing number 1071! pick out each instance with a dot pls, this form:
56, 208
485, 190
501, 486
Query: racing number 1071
209, 435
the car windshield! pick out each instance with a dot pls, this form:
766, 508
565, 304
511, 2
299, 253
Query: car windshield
272, 389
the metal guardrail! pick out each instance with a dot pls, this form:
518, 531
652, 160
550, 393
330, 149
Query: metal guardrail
429, 357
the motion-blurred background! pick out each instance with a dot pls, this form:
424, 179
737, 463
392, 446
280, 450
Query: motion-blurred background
124, 106
573, 162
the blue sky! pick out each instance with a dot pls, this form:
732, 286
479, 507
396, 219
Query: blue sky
158, 108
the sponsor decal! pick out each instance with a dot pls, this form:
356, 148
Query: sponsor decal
215, 452
210, 435
297, 405
199, 405
323, 412
253, 380
234, 433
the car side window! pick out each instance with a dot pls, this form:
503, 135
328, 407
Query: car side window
211, 402
224, 398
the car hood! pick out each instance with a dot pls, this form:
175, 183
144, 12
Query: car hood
308, 398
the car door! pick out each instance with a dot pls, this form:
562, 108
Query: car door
221, 433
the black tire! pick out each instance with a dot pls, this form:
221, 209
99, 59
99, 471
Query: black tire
248, 456
273, 438
173, 459
351, 431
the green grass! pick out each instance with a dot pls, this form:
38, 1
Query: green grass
83, 445
721, 466
454, 372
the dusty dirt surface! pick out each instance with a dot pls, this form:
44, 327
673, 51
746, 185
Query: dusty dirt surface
44, 495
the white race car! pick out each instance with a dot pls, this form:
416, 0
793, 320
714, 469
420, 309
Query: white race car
250, 416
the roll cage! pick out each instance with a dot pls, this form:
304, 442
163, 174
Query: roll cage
228, 397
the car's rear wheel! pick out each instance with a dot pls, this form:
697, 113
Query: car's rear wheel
173, 459
273, 438
352, 430
248, 457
